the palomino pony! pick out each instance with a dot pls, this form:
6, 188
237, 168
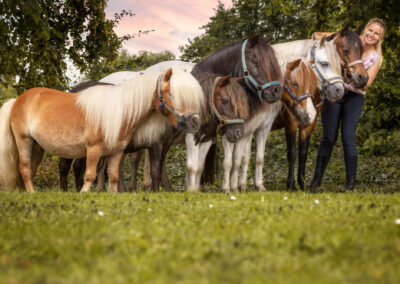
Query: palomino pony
224, 109
97, 122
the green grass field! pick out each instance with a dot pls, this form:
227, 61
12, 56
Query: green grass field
274, 237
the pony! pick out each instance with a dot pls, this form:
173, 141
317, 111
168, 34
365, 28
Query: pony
99, 121
225, 105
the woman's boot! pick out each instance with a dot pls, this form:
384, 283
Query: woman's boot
320, 167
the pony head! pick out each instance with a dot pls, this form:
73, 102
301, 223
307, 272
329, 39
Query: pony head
261, 70
326, 63
349, 46
300, 90
180, 99
231, 107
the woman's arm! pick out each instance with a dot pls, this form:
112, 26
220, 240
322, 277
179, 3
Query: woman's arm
372, 73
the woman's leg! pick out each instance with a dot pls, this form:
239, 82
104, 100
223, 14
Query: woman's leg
330, 116
351, 112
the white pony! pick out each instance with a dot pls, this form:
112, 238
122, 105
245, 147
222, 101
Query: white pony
237, 155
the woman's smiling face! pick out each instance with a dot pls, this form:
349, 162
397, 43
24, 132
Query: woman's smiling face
373, 34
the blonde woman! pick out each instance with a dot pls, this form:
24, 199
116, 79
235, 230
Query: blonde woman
346, 112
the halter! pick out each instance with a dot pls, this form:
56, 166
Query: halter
295, 99
250, 81
325, 82
163, 105
222, 121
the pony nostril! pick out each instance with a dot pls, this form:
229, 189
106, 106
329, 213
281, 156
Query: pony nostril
195, 120
239, 133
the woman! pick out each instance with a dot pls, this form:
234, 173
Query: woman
347, 111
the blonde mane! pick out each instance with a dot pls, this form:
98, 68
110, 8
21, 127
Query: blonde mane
305, 75
109, 108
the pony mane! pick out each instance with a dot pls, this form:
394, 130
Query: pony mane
109, 108
234, 91
271, 70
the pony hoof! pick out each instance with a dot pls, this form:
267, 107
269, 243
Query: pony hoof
261, 188
243, 188
226, 190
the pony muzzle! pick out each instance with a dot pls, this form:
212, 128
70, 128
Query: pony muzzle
189, 122
359, 79
334, 92
272, 94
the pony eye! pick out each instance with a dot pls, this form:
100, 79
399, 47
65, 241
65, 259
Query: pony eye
324, 64
294, 85
255, 61
345, 51
225, 101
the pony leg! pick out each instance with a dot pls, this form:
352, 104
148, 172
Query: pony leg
291, 156
113, 164
101, 175
261, 138
192, 155
155, 154
79, 167
92, 159
121, 182
204, 147
238, 156
64, 165
37, 155
25, 148
227, 163
245, 166
135, 161
146, 171
164, 177
304, 137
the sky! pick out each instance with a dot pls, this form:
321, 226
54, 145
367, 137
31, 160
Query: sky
174, 21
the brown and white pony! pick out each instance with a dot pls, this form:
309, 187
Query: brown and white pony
97, 122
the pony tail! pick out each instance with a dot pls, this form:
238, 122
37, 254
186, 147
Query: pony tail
9, 160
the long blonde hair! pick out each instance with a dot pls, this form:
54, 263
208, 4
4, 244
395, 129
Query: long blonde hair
378, 46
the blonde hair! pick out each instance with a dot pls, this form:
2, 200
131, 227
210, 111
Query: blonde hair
378, 46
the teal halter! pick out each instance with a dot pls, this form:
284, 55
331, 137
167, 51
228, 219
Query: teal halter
222, 121
250, 81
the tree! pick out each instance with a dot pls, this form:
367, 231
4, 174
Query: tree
38, 36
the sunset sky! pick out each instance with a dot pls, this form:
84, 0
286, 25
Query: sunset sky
174, 21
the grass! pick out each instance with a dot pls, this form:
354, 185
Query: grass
274, 237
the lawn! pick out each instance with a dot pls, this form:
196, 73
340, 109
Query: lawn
273, 237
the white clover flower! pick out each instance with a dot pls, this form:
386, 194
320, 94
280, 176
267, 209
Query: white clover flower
316, 201
398, 221
101, 213
233, 198
210, 205
149, 209
285, 198
262, 198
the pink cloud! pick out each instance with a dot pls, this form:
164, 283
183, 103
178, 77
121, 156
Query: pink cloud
173, 21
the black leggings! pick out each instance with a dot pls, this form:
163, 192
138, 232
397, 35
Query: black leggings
346, 112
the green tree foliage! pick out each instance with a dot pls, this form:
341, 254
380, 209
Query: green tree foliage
37, 37
280, 21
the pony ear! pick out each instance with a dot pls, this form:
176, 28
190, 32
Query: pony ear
293, 64
344, 29
332, 36
359, 30
322, 41
254, 40
224, 81
167, 75
312, 61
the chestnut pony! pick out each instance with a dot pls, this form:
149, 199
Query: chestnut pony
97, 122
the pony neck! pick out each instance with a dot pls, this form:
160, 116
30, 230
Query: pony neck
221, 62
297, 48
